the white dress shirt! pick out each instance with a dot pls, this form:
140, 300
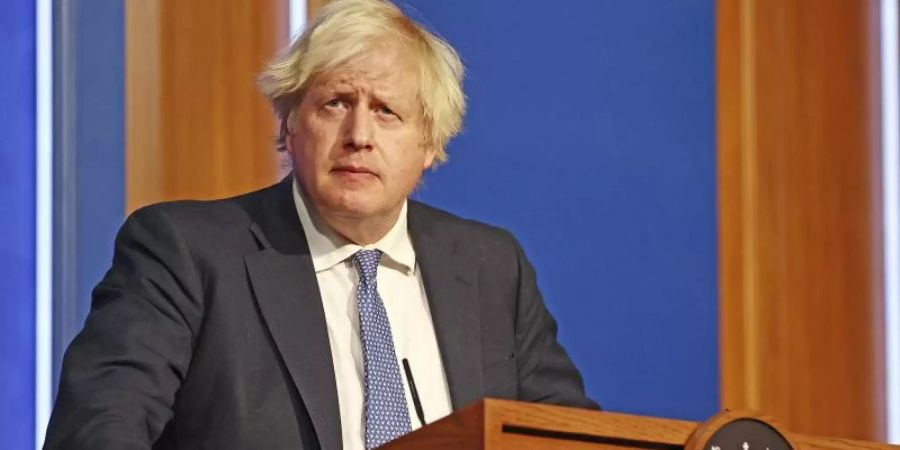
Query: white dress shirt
403, 293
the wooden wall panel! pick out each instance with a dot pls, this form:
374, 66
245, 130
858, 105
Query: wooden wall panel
800, 215
196, 126
312, 7
144, 156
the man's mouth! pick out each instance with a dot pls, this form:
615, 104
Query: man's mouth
354, 170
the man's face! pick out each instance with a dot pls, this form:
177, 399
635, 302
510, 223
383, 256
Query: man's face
358, 140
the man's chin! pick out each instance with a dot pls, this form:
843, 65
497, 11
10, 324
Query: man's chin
355, 207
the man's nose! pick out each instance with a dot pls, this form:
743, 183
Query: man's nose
358, 130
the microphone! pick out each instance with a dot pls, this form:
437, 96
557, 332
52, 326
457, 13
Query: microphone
417, 403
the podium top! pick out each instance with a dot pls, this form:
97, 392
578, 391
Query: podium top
504, 424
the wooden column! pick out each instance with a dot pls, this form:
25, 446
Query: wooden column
800, 214
312, 7
196, 125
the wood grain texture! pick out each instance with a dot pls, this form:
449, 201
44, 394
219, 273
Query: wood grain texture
197, 127
807, 442
800, 215
580, 421
142, 103
484, 426
463, 429
480, 426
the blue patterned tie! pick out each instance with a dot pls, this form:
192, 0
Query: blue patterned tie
387, 417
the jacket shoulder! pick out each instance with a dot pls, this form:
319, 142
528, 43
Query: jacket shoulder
204, 220
478, 239
449, 221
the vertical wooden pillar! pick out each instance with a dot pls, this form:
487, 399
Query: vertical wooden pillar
312, 7
800, 214
196, 125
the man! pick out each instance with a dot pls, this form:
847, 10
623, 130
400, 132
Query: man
287, 317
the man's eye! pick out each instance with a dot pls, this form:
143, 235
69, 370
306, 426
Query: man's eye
334, 103
387, 111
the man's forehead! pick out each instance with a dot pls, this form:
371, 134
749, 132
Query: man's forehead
380, 76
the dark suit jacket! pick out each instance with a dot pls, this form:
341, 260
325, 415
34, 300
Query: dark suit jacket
208, 331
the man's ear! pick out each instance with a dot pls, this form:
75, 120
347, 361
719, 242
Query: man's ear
430, 154
288, 128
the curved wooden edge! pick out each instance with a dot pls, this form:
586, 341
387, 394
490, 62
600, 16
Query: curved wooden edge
706, 430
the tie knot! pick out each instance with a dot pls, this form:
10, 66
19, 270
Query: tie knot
366, 262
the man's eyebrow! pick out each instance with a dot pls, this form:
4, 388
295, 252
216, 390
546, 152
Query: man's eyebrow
343, 93
345, 90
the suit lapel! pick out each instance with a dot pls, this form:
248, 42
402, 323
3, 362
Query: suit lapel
451, 285
286, 290
288, 297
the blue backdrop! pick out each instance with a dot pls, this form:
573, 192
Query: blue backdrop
591, 136
17, 218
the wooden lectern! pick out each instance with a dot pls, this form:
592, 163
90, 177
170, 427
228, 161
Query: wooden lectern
503, 425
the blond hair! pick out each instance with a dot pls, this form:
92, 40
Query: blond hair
346, 29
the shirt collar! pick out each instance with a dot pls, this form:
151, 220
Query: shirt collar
327, 248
